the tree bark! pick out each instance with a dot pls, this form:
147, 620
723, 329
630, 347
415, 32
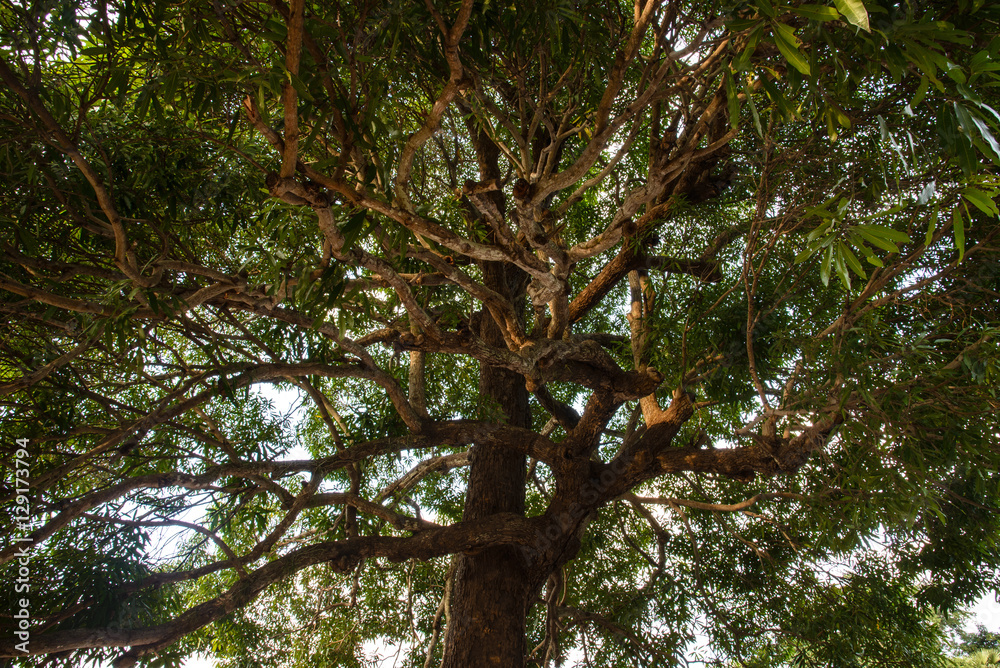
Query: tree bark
492, 593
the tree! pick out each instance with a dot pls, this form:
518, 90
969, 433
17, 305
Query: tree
617, 325
981, 639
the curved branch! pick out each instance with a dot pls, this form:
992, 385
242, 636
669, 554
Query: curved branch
500, 529
721, 507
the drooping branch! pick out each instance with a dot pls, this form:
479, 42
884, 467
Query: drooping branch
417, 473
173, 404
455, 433
717, 507
397, 520
124, 258
32, 378
502, 529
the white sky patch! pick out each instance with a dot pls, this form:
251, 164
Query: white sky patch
199, 661
387, 655
986, 611
290, 402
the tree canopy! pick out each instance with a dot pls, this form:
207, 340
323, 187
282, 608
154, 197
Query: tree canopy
619, 329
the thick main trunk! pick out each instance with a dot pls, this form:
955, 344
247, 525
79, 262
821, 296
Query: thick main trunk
491, 592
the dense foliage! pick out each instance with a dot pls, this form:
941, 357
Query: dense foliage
669, 326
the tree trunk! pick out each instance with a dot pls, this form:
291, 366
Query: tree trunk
491, 593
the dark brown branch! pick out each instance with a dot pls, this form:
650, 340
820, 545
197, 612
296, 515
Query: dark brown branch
767, 456
629, 258
416, 474
397, 520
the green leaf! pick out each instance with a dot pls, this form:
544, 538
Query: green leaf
918, 97
169, 87
787, 112
855, 13
956, 134
739, 25
317, 127
753, 111
824, 266
883, 128
766, 8
931, 224
852, 261
742, 62
984, 132
876, 240
958, 225
820, 212
817, 12
733, 100
839, 261
803, 256
964, 118
969, 94
966, 156
300, 87
788, 44
352, 228
820, 231
843, 119
981, 201
884, 232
